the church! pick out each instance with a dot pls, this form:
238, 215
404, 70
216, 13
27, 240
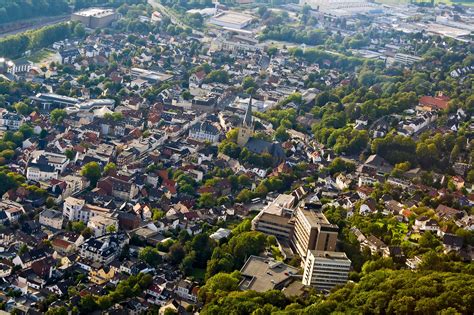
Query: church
257, 146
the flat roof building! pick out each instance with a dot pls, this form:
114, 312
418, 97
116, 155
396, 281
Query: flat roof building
262, 274
275, 218
231, 19
324, 270
95, 17
313, 232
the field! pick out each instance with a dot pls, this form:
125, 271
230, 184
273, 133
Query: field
42, 57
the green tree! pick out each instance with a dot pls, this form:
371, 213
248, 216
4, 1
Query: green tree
150, 255
57, 116
92, 172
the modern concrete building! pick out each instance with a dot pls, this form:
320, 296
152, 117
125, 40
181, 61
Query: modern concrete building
231, 19
313, 232
262, 274
95, 17
325, 269
275, 218
405, 59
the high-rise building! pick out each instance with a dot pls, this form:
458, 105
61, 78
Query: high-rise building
313, 231
324, 270
275, 218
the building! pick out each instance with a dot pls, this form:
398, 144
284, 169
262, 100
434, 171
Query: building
231, 19
203, 132
77, 210
49, 101
149, 76
262, 274
101, 225
46, 165
341, 8
10, 121
51, 218
187, 290
275, 218
15, 66
325, 269
118, 188
103, 249
312, 231
95, 17
255, 145
405, 59
69, 56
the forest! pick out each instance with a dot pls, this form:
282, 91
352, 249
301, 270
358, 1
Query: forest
11, 11
25, 9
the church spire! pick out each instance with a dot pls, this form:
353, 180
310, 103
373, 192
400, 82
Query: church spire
248, 114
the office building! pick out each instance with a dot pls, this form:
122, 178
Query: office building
324, 270
405, 59
312, 231
275, 218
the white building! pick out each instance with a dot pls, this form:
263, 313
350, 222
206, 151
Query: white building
77, 210
46, 165
101, 224
204, 132
103, 249
324, 270
51, 218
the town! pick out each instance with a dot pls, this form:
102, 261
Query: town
243, 157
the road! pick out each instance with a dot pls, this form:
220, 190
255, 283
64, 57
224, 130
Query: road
36, 25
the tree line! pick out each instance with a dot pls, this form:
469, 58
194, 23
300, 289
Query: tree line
15, 45
11, 11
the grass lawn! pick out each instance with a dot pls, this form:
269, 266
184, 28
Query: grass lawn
40, 55
198, 274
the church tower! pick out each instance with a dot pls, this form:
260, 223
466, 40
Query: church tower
246, 129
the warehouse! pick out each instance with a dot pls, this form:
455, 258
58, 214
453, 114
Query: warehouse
95, 17
231, 19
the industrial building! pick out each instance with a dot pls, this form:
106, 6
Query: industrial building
95, 17
324, 269
231, 19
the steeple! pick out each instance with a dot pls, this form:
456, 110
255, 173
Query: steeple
246, 130
248, 115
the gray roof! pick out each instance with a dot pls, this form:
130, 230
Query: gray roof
248, 115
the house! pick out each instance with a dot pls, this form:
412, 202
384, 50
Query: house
374, 244
10, 121
103, 249
101, 275
118, 188
449, 213
452, 242
101, 225
187, 290
438, 102
69, 56
75, 209
51, 218
27, 259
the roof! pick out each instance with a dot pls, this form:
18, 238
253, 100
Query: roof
248, 115
436, 102
262, 274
